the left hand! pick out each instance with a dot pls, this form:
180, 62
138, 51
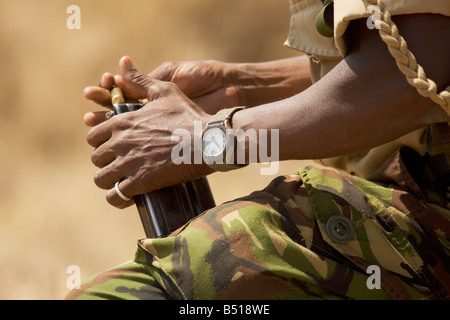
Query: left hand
135, 147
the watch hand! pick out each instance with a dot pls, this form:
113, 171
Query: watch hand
208, 143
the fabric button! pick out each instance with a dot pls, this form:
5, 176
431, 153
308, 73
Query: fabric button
339, 229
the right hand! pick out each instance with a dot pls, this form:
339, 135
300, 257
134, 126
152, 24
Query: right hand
214, 85
209, 83
136, 148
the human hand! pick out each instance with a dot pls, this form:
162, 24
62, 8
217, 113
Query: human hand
135, 148
210, 84
101, 95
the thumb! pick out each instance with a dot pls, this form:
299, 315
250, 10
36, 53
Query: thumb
135, 85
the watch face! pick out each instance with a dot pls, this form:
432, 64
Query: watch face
214, 142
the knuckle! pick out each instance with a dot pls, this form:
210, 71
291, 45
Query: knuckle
155, 91
120, 123
94, 158
138, 78
99, 180
102, 158
167, 70
163, 88
90, 138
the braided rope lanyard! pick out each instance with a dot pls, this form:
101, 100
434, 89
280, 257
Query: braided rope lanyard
405, 59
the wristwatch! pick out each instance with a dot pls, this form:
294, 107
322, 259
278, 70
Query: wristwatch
219, 140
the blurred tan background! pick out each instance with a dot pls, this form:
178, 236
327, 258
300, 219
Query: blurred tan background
51, 213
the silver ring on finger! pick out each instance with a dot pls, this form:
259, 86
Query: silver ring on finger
121, 195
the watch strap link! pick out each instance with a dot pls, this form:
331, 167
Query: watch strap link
225, 115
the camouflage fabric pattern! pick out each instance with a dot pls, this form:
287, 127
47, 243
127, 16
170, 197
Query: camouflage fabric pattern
275, 244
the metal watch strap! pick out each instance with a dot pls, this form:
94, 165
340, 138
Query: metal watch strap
225, 115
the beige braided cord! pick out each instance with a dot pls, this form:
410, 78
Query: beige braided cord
406, 61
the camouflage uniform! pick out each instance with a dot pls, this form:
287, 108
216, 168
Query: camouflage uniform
279, 243
312, 235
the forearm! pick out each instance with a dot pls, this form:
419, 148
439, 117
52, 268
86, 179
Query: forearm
364, 102
331, 120
260, 83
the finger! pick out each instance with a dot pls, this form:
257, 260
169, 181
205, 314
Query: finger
119, 201
130, 95
99, 134
103, 156
107, 81
165, 71
136, 84
218, 99
106, 177
91, 119
99, 95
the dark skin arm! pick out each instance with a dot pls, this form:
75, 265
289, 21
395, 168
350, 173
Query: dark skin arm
364, 102
214, 85
209, 85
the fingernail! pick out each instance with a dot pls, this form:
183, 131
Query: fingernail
128, 63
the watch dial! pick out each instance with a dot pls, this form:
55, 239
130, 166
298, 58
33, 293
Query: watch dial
214, 142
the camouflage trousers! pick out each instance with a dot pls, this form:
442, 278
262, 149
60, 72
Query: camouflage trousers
313, 235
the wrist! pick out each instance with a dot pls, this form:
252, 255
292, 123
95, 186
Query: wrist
219, 141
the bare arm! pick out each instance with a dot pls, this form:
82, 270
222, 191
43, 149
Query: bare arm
214, 85
261, 83
365, 101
